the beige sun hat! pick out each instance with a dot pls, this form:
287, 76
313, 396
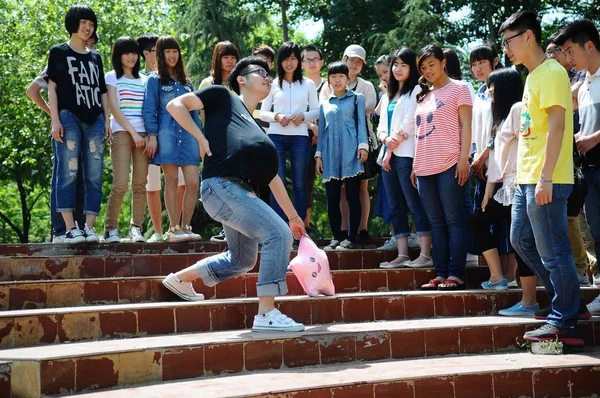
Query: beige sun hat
354, 50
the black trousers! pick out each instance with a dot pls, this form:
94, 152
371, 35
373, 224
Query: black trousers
481, 223
333, 189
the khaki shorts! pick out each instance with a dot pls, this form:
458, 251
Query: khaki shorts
154, 183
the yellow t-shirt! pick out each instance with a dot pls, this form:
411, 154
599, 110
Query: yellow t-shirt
548, 85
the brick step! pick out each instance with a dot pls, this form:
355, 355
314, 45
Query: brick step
5, 378
22, 328
84, 366
122, 265
80, 292
63, 249
517, 374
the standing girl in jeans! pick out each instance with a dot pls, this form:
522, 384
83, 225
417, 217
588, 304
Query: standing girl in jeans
441, 165
342, 147
79, 112
294, 101
126, 89
176, 148
397, 132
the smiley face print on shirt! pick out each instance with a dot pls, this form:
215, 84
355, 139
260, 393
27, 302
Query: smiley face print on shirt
428, 122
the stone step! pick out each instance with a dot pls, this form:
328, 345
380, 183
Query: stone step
63, 249
122, 265
21, 328
80, 292
517, 374
84, 366
5, 379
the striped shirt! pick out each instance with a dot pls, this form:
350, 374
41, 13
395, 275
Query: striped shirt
130, 94
438, 129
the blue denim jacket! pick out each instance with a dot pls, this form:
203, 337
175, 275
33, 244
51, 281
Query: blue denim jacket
175, 145
339, 138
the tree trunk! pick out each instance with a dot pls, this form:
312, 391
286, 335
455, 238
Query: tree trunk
284, 22
491, 26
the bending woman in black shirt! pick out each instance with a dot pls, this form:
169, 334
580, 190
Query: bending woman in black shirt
238, 155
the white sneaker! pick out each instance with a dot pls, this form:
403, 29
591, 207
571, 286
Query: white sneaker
135, 234
389, 244
597, 280
155, 238
513, 284
58, 239
112, 236
74, 236
593, 307
176, 234
185, 290
584, 279
275, 321
188, 230
90, 234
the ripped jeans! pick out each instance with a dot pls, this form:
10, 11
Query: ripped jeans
86, 140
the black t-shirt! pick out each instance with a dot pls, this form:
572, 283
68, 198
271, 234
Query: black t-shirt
79, 81
239, 146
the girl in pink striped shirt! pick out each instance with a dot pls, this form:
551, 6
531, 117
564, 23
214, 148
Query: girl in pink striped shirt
441, 167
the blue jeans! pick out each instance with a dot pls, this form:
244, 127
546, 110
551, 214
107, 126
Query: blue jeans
592, 204
58, 223
298, 147
444, 203
247, 221
539, 235
80, 141
403, 197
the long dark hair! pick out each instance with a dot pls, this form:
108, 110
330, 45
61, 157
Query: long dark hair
125, 45
452, 64
222, 49
169, 43
286, 50
426, 52
508, 90
409, 57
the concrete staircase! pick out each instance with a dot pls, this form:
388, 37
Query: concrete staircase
95, 319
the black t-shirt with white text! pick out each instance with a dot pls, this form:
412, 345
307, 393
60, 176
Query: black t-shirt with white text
239, 146
79, 81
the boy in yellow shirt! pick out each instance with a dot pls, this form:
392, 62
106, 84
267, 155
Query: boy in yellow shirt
545, 177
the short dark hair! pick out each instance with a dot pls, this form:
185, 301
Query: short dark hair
311, 47
452, 64
75, 14
242, 67
222, 49
146, 42
524, 20
125, 45
383, 60
579, 32
484, 52
409, 57
264, 50
337, 67
95, 37
286, 50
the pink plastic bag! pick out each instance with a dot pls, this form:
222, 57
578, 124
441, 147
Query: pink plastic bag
311, 267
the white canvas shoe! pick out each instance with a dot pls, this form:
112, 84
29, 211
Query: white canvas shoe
185, 290
275, 321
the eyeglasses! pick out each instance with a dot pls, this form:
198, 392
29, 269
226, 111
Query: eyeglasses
506, 42
553, 52
263, 73
311, 60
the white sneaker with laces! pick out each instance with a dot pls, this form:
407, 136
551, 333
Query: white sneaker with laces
74, 236
275, 321
389, 244
58, 239
112, 236
185, 290
594, 306
90, 234
135, 234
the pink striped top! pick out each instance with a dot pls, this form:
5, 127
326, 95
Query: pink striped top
438, 128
